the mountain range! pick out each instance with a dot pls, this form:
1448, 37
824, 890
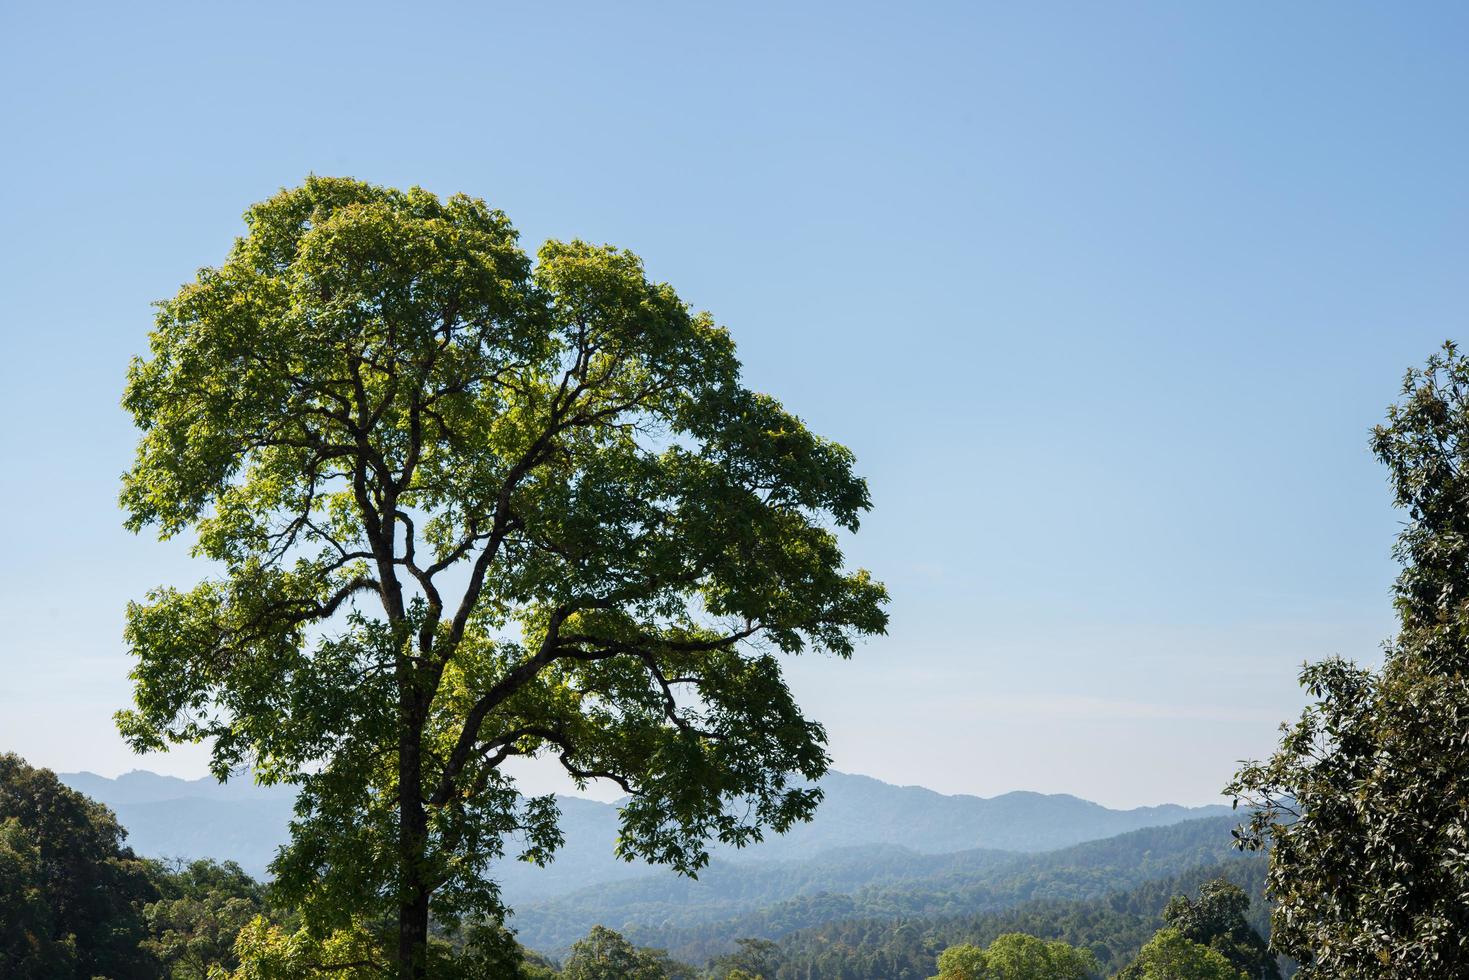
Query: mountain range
245, 822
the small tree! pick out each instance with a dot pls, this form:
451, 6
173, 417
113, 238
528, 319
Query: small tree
1017, 956
463, 507
1219, 920
1169, 956
964, 961
606, 955
1366, 802
752, 958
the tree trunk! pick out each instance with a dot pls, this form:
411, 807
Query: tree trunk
413, 896
413, 937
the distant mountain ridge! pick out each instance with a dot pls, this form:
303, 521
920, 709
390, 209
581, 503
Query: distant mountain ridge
863, 810
245, 822
191, 818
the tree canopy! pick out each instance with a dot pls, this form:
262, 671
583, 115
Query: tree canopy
752, 958
1217, 924
1219, 919
606, 955
461, 506
201, 910
1016, 956
71, 895
1169, 956
1364, 803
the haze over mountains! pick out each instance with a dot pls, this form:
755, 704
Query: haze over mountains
244, 822
874, 853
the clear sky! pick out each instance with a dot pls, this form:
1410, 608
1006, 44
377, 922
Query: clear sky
1105, 297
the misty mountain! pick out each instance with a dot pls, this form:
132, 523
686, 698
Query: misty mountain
863, 810
191, 818
245, 822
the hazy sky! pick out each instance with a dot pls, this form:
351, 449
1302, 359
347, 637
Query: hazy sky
1105, 297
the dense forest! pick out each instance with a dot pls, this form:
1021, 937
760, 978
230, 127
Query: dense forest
1113, 927
769, 902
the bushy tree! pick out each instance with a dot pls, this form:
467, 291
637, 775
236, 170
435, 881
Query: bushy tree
31, 945
203, 907
752, 958
606, 955
964, 961
462, 507
265, 950
1016, 956
1219, 919
1169, 956
71, 895
282, 949
1365, 805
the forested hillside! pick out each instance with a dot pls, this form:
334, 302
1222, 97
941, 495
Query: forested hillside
1113, 926
699, 919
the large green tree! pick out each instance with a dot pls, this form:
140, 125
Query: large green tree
461, 506
1366, 802
962, 961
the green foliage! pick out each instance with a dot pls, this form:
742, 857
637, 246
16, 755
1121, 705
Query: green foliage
1169, 956
752, 958
1219, 920
204, 907
605, 955
464, 507
31, 945
267, 951
1366, 801
1113, 927
71, 895
73, 903
270, 950
965, 961
1016, 956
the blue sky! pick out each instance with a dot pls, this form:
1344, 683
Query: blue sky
1104, 297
